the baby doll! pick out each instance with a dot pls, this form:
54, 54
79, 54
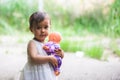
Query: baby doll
50, 47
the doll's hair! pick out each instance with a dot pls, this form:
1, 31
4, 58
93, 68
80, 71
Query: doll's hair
36, 18
55, 37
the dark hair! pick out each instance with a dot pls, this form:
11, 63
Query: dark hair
37, 17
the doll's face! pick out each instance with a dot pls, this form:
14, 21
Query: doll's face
55, 37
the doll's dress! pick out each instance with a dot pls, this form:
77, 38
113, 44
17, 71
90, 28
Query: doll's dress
38, 71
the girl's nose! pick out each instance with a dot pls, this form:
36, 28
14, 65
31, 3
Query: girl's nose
42, 30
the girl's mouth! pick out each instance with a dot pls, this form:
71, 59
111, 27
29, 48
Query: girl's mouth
42, 35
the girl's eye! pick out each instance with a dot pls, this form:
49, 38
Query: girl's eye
46, 27
38, 28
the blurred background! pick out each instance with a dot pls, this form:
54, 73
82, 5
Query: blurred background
88, 26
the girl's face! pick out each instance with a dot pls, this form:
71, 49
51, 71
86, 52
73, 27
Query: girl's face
42, 30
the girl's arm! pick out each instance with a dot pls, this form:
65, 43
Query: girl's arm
38, 59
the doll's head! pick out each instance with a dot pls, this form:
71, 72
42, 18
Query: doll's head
55, 37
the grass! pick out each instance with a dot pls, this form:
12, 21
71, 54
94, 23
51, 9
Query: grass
115, 48
95, 51
90, 48
71, 46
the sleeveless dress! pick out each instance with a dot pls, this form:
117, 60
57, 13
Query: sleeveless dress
38, 71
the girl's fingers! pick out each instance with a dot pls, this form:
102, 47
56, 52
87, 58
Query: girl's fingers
57, 50
54, 61
56, 65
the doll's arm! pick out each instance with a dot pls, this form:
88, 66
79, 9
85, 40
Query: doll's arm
45, 47
48, 47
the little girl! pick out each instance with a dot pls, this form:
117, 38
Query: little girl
38, 66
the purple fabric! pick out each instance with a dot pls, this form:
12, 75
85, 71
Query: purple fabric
52, 46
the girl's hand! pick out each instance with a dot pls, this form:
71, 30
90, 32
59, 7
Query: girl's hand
53, 60
59, 52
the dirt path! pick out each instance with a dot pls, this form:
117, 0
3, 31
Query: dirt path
81, 68
73, 68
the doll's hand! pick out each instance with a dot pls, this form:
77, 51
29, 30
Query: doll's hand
53, 61
45, 47
59, 52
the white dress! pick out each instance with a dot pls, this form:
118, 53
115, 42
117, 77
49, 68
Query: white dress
39, 71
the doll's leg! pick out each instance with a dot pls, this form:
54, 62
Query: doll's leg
57, 69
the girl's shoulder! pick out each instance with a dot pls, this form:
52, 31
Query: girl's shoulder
34, 43
31, 43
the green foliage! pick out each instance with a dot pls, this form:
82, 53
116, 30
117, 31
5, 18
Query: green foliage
15, 15
6, 27
117, 51
59, 15
71, 46
94, 51
115, 48
113, 24
92, 22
